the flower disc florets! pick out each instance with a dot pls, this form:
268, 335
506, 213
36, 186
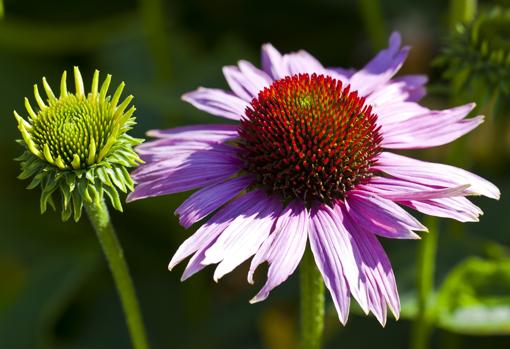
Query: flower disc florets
78, 143
309, 137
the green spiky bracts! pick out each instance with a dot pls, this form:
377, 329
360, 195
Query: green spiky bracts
78, 144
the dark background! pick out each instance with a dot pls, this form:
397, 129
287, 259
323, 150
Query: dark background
55, 288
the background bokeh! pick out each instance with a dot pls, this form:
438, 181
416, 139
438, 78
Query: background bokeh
55, 288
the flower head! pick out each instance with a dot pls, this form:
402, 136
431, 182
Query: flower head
78, 144
307, 161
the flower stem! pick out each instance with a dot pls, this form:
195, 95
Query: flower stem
100, 219
427, 249
312, 303
153, 19
373, 19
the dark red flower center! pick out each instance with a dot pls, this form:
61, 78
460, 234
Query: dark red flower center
309, 137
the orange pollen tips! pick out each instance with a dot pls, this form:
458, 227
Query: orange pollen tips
309, 137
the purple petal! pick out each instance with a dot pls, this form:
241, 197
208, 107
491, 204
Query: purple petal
398, 190
398, 112
211, 229
415, 86
443, 202
433, 174
217, 102
283, 249
430, 129
203, 133
246, 81
272, 62
198, 169
183, 141
302, 62
398, 90
383, 217
458, 208
244, 235
341, 73
209, 199
381, 68
377, 269
337, 258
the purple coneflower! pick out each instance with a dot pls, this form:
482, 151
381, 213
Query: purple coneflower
307, 161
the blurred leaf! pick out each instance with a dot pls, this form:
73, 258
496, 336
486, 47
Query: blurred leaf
475, 298
64, 38
28, 321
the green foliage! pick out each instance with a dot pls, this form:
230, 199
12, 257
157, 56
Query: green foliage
475, 298
476, 58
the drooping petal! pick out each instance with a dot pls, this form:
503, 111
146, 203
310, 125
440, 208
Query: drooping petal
211, 229
433, 174
245, 80
383, 217
244, 235
283, 249
337, 258
395, 189
217, 102
272, 62
458, 208
208, 199
442, 202
191, 171
429, 129
375, 265
381, 68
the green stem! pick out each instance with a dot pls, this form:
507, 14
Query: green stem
373, 19
153, 19
462, 11
312, 303
427, 249
2, 9
100, 219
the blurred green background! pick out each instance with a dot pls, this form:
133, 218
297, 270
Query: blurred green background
55, 288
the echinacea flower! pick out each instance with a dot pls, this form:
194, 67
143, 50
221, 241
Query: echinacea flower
307, 161
77, 144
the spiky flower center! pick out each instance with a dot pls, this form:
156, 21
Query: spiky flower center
73, 128
309, 137
75, 131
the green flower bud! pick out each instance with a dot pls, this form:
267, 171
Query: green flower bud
78, 144
477, 58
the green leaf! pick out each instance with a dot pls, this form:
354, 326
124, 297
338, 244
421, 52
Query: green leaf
49, 288
475, 298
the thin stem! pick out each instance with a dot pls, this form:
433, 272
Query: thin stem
312, 303
427, 249
2, 9
100, 219
373, 19
153, 19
